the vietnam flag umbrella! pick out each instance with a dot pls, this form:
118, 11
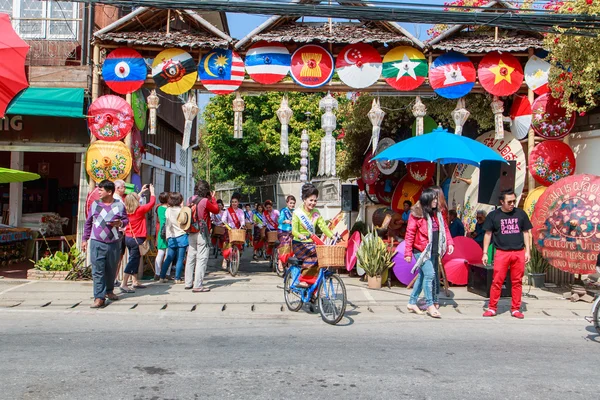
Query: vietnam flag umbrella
500, 74
13, 51
520, 117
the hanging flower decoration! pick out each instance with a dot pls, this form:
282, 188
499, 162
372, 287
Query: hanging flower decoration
376, 115
419, 111
152, 106
190, 110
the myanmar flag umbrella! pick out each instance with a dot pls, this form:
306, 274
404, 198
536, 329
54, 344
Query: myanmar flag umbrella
13, 51
13, 175
440, 147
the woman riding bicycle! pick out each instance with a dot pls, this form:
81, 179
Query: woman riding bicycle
217, 220
259, 234
233, 218
284, 235
304, 222
271, 218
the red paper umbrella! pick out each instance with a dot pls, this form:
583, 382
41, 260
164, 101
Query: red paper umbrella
110, 118
566, 224
466, 250
353, 245
406, 190
550, 161
370, 171
500, 74
384, 189
137, 149
13, 51
420, 172
520, 117
359, 65
550, 119
91, 197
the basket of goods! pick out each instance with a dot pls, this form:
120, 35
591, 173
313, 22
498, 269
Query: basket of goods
218, 231
271, 237
237, 235
331, 256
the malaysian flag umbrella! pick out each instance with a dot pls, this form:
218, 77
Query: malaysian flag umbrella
221, 71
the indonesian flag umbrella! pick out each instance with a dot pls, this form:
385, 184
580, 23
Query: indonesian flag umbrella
550, 119
359, 65
500, 74
404, 68
13, 51
124, 70
520, 117
110, 118
466, 251
550, 161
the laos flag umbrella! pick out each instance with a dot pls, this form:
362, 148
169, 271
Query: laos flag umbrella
124, 70
13, 51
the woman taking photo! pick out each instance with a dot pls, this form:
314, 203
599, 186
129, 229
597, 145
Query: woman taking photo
135, 236
304, 222
233, 218
177, 238
428, 237
284, 235
259, 230
161, 244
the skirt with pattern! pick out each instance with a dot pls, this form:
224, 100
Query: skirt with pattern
307, 253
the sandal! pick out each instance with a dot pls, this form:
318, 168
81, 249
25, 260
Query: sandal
202, 289
436, 305
414, 309
434, 314
139, 286
126, 290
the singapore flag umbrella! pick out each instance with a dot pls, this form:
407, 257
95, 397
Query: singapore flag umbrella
13, 51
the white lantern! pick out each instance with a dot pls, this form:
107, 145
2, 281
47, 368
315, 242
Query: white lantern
460, 116
152, 106
328, 124
304, 156
498, 109
190, 110
284, 113
419, 111
238, 109
375, 115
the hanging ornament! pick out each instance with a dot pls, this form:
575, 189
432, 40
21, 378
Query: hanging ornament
152, 106
190, 110
419, 111
460, 116
328, 124
376, 115
284, 113
238, 109
304, 156
498, 109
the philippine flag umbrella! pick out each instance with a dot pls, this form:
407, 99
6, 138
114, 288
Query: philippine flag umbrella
124, 70
110, 118
500, 74
536, 74
466, 251
359, 65
267, 62
520, 117
13, 51
452, 75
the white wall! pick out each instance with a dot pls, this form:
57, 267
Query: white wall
586, 146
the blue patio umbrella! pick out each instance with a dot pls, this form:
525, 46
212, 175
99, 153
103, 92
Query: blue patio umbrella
440, 147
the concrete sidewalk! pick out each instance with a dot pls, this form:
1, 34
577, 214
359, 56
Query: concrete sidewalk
256, 292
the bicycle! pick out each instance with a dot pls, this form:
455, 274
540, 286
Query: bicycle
233, 261
329, 289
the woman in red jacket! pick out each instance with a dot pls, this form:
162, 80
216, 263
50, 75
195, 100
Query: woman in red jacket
428, 236
135, 235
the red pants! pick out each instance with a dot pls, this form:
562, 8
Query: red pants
503, 261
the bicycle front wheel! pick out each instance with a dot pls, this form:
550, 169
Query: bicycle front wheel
332, 299
234, 262
293, 300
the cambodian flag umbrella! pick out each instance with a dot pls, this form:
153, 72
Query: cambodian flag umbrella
13, 51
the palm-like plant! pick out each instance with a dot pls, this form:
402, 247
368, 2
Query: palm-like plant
373, 255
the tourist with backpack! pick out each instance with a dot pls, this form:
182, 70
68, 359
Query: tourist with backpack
200, 207
177, 238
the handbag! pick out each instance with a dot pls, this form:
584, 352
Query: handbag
144, 247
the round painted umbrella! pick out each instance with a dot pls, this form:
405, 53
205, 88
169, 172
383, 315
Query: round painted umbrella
108, 160
404, 68
550, 119
221, 71
406, 190
312, 66
110, 118
386, 167
550, 161
532, 199
92, 196
566, 224
452, 75
370, 171
353, 245
140, 109
466, 251
12, 175
500, 74
536, 74
384, 189
420, 172
137, 150
13, 51
174, 71
520, 117
268, 62
124, 70
401, 268
359, 65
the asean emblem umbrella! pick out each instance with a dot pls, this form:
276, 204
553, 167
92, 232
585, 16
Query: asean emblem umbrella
386, 167
536, 74
140, 109
124, 70
550, 161
420, 172
520, 117
174, 71
532, 199
402, 268
550, 119
384, 189
12, 175
404, 68
359, 65
108, 160
452, 75
268, 62
406, 190
500, 74
566, 224
221, 71
466, 251
13, 51
110, 118
370, 171
137, 150
312, 66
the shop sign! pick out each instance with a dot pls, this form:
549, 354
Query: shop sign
11, 123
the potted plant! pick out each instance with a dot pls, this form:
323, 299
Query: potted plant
374, 258
536, 268
60, 262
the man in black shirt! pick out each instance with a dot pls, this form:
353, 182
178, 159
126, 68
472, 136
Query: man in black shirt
510, 229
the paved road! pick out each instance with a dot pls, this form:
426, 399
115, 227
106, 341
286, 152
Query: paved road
104, 355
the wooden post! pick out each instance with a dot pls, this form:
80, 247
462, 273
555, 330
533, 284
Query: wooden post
128, 138
530, 139
168, 21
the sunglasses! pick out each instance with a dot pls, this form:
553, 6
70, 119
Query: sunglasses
511, 202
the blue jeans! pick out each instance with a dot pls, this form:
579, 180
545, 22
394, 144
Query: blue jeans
424, 283
133, 245
177, 249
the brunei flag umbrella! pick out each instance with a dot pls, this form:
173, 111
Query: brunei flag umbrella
404, 68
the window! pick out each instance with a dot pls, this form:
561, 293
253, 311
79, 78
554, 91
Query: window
49, 19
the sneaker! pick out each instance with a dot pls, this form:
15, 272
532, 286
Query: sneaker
156, 278
188, 287
517, 314
489, 313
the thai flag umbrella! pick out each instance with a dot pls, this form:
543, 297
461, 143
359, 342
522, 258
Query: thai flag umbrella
13, 51
520, 117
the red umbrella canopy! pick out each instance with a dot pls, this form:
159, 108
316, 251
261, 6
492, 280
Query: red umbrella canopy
110, 118
550, 119
550, 161
566, 221
406, 190
13, 51
420, 172
370, 171
500, 74
91, 197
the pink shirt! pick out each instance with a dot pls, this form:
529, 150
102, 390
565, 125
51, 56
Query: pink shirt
226, 219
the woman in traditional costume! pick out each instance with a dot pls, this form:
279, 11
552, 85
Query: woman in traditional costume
259, 232
284, 234
233, 218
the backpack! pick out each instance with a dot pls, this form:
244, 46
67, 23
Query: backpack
197, 222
